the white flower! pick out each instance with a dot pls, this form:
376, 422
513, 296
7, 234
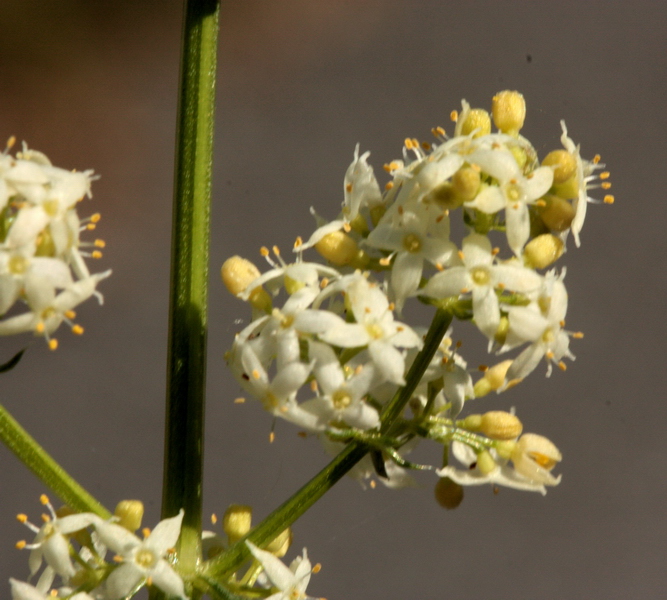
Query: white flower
50, 543
291, 582
142, 561
375, 328
361, 186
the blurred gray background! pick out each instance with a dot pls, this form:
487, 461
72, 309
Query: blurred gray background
93, 85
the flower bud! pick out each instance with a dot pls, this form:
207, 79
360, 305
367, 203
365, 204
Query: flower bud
338, 248
534, 456
493, 379
557, 214
567, 190
565, 165
476, 119
280, 544
237, 274
509, 111
130, 513
542, 251
472, 422
448, 493
485, 462
377, 212
236, 522
445, 196
466, 183
501, 425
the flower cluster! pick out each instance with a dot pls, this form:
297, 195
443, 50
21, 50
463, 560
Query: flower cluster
331, 354
137, 562
42, 259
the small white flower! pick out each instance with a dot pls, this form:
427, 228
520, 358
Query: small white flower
142, 560
291, 582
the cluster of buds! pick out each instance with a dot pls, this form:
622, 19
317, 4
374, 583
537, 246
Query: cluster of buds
87, 538
332, 355
42, 259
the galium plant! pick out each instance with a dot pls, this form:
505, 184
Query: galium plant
327, 349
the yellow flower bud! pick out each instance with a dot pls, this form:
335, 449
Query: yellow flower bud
280, 544
565, 165
466, 183
445, 196
237, 522
476, 119
501, 425
502, 331
377, 212
542, 251
237, 274
130, 513
338, 248
485, 462
472, 422
567, 190
448, 493
509, 111
557, 214
493, 379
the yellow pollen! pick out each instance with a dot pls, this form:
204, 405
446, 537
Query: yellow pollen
239, 400
348, 188
70, 314
39, 328
385, 262
516, 206
45, 518
214, 518
44, 499
149, 581
388, 185
549, 355
347, 227
608, 199
21, 518
367, 309
495, 251
372, 484
53, 593
578, 335
604, 175
317, 568
324, 283
460, 253
95, 218
313, 386
264, 251
445, 360
118, 558
495, 146
298, 242
276, 250
77, 330
439, 267
408, 143
145, 532
454, 115
540, 203
596, 159
255, 373
272, 437
21, 544
501, 286
400, 328
513, 181
11, 141
562, 323
386, 167
100, 243
562, 366
415, 143
464, 290
358, 369
605, 185
90, 226
483, 368
391, 306
96, 254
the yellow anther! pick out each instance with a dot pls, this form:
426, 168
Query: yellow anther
77, 330
298, 242
100, 243
495, 251
95, 218
276, 250
239, 400
385, 262
44, 499
439, 267
578, 335
460, 253
388, 185
387, 167
408, 143
604, 175
53, 593
596, 159
541, 203
372, 484
145, 532
255, 374
347, 227
53, 344
39, 328
426, 146
11, 141
501, 286
562, 366
91, 226
483, 368
348, 188
21, 544
21, 518
549, 354
264, 251
149, 581
70, 314
415, 143
324, 283
605, 185
272, 437
464, 290
118, 558
608, 199
440, 130
313, 386
454, 115
96, 254
317, 568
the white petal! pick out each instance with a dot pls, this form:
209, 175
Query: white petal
167, 579
276, 571
476, 250
389, 361
122, 580
165, 535
517, 221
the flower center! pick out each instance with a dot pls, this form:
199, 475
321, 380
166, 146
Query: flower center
51, 207
543, 460
544, 302
548, 336
341, 399
412, 243
18, 265
375, 331
145, 558
513, 192
480, 275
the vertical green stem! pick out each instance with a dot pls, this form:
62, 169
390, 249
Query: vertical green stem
186, 367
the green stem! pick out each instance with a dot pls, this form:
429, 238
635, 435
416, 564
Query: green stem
186, 369
226, 563
33, 456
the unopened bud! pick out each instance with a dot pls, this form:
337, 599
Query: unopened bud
542, 251
338, 248
448, 493
534, 456
280, 544
466, 183
502, 331
501, 425
557, 214
360, 225
485, 462
509, 111
238, 273
377, 212
445, 196
472, 422
130, 513
476, 119
565, 165
237, 522
493, 379
568, 190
